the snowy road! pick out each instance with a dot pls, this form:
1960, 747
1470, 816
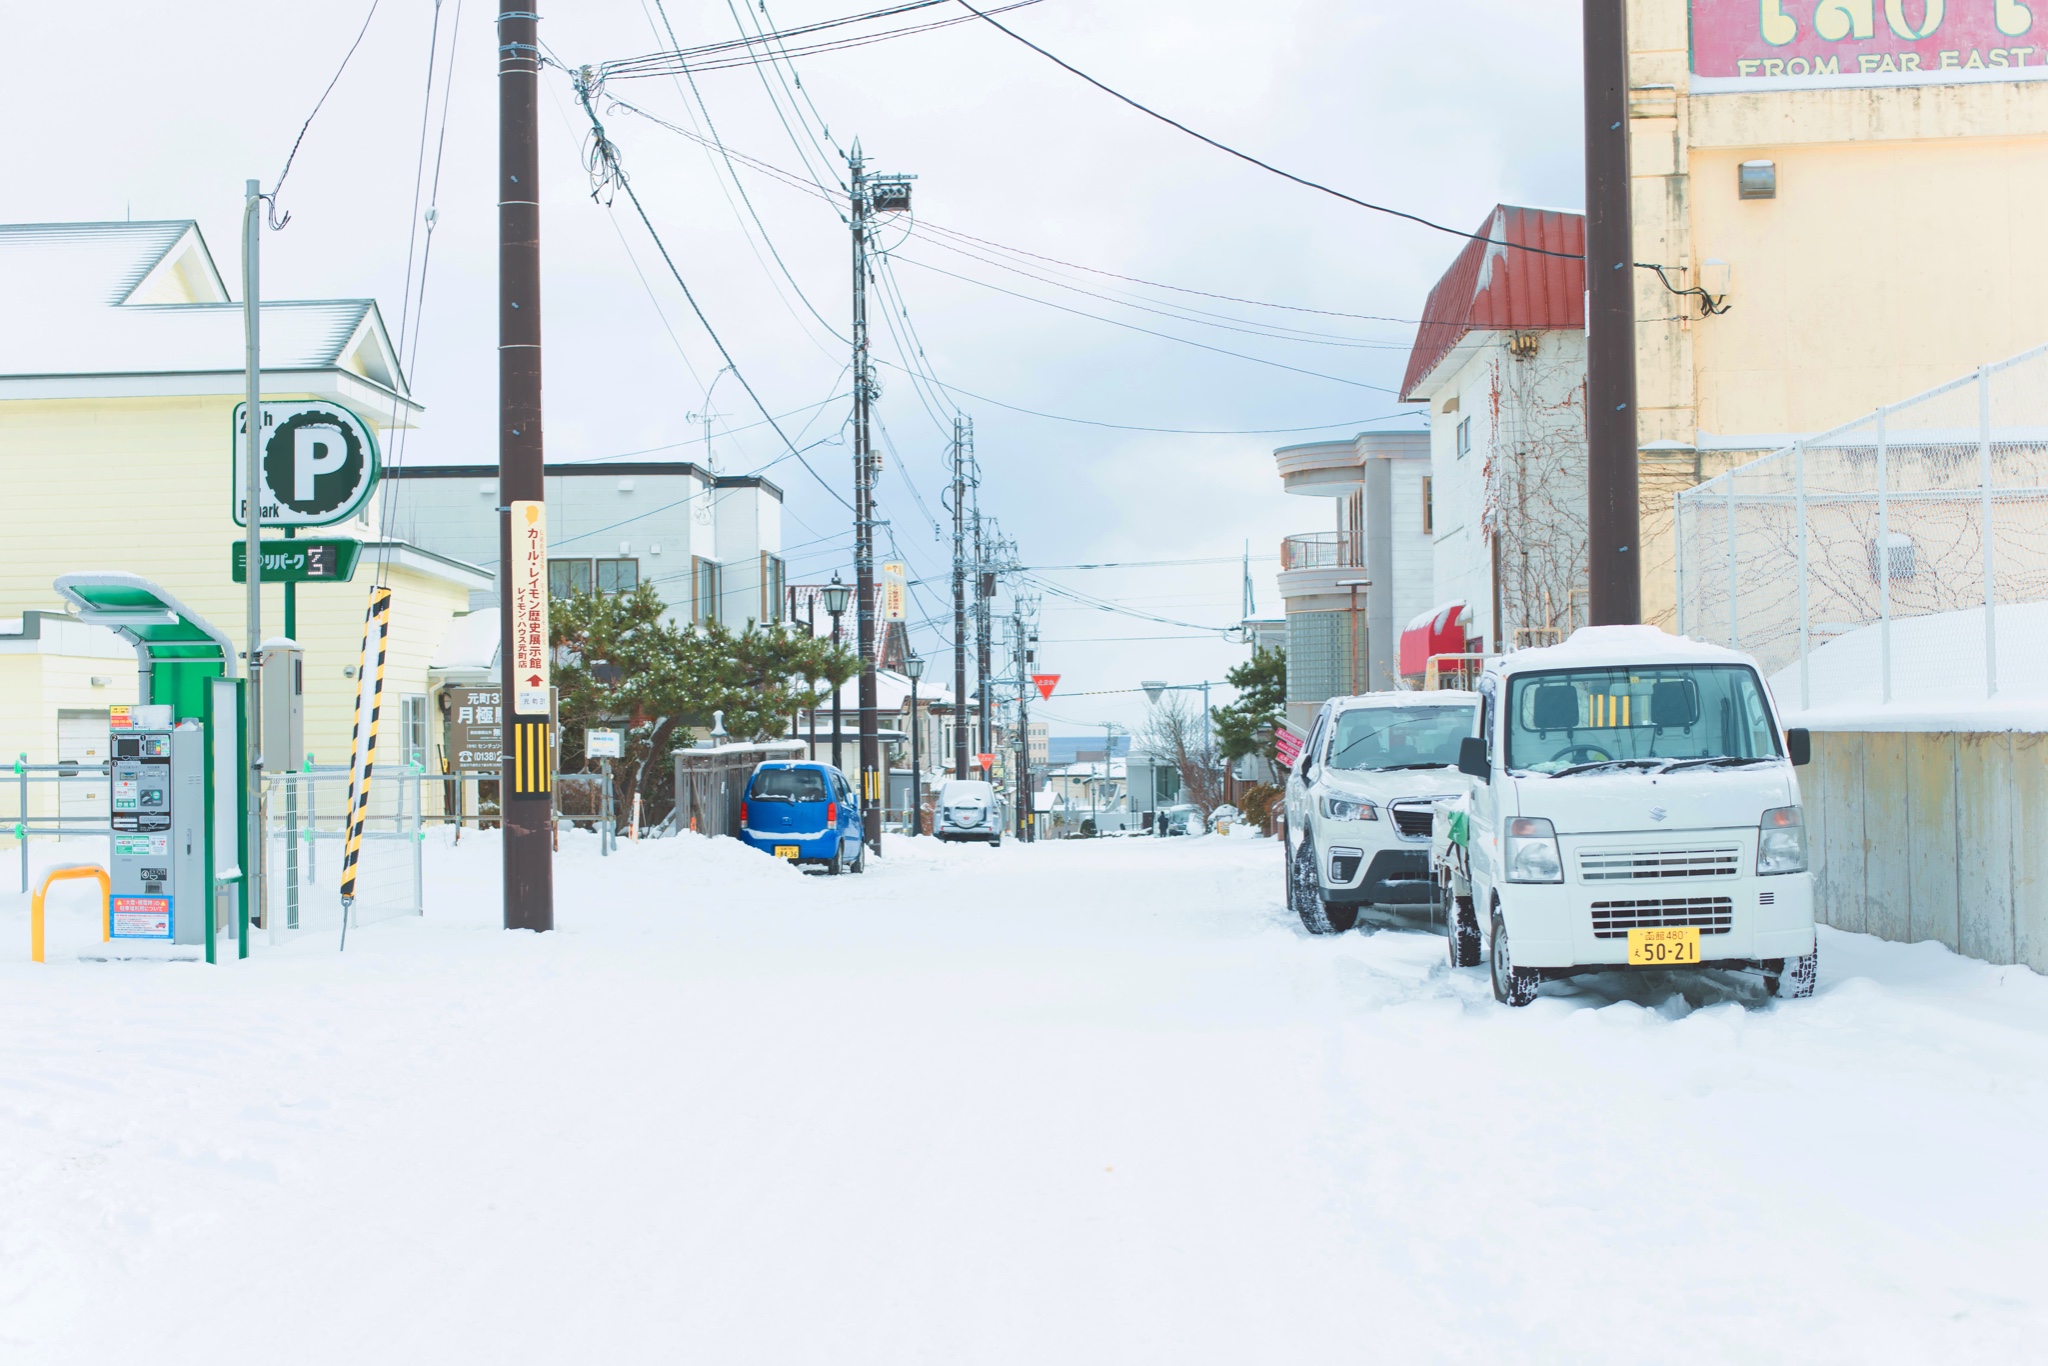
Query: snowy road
1095, 1102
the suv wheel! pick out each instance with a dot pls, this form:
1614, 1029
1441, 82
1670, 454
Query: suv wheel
1305, 894
1512, 986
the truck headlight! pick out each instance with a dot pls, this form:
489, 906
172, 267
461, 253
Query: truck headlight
1532, 851
1348, 809
1781, 843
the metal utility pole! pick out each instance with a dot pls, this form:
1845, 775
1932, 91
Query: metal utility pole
252, 529
962, 442
1613, 515
527, 771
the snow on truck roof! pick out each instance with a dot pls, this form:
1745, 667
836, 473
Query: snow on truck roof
1596, 647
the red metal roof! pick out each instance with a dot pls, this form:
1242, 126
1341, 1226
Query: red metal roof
1492, 287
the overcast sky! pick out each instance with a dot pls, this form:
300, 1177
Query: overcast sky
130, 109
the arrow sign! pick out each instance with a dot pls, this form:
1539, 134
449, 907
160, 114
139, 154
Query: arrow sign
1045, 683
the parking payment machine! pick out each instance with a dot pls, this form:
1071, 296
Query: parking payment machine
158, 811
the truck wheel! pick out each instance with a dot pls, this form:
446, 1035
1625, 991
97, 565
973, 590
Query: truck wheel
1305, 894
1794, 977
1512, 986
1463, 933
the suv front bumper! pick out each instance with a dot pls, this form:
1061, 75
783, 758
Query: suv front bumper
1392, 877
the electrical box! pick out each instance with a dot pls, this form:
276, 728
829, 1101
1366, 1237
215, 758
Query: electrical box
284, 705
157, 808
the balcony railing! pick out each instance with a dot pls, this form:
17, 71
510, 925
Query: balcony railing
1324, 550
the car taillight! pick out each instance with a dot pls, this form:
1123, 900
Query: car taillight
831, 813
743, 813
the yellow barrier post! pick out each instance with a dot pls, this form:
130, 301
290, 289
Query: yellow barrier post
64, 873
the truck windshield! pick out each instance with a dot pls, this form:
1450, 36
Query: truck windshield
1650, 717
1399, 737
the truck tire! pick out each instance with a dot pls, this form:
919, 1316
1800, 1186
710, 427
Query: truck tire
1794, 978
1305, 894
1512, 986
1463, 933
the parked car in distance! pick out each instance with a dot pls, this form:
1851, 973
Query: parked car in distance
967, 809
1179, 820
804, 812
1361, 798
1636, 806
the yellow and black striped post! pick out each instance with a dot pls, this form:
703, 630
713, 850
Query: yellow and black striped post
363, 739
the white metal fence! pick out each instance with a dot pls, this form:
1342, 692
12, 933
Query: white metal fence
1921, 520
304, 817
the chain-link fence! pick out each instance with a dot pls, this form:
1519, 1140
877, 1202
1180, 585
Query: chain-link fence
305, 820
1917, 526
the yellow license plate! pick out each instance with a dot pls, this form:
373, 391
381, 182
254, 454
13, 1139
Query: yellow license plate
1678, 946
788, 851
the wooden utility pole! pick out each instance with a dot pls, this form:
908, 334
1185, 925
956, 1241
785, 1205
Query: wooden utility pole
527, 769
961, 443
1613, 515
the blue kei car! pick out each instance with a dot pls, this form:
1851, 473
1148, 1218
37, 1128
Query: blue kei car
804, 812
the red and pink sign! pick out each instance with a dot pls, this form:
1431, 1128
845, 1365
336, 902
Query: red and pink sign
1780, 44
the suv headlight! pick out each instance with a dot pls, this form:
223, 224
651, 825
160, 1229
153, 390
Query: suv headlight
1348, 809
1781, 843
1532, 851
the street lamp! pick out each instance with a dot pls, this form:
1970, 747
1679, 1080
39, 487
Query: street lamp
914, 668
835, 594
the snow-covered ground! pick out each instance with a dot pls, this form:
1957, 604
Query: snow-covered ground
1078, 1102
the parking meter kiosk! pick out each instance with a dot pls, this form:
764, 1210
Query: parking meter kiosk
158, 811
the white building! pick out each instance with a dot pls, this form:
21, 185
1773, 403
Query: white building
1349, 590
710, 545
1501, 361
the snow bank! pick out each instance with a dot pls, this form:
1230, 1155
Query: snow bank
1938, 676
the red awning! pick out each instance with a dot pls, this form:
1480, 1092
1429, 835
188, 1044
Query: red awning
1439, 631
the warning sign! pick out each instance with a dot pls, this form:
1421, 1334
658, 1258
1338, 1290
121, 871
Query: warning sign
141, 917
530, 656
1045, 683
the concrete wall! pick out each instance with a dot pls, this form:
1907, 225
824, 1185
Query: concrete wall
1933, 835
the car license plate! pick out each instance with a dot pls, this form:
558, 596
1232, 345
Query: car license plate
788, 851
1676, 946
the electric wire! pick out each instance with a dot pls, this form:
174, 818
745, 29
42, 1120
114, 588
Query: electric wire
270, 200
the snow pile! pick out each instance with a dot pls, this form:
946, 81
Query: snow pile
1938, 675
1079, 1102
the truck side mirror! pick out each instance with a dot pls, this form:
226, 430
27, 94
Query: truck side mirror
1799, 746
1472, 758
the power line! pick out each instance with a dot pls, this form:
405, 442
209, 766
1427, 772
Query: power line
271, 199
1150, 112
722, 56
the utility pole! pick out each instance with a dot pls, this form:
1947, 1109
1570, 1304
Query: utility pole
982, 593
1613, 515
252, 422
962, 442
528, 767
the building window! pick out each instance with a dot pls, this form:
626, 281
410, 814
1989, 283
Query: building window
704, 588
774, 586
1428, 506
412, 729
567, 578
1464, 436
618, 576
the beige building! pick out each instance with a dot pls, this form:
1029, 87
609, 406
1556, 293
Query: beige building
1861, 182
120, 368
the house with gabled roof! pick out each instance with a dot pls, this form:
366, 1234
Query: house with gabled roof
121, 363
1500, 361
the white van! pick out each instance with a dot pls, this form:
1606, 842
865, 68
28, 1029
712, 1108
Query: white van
966, 809
1636, 806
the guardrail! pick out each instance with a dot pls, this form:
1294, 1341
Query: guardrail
22, 825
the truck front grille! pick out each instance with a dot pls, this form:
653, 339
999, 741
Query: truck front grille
1647, 865
1614, 919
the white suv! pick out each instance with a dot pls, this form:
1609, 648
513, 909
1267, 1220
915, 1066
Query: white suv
968, 810
1360, 802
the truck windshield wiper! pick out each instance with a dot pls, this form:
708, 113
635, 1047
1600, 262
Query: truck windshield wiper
1733, 760
1606, 763
1397, 768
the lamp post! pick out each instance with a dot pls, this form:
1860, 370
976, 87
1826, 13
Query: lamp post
835, 594
1354, 585
913, 667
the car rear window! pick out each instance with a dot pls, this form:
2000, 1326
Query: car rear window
790, 785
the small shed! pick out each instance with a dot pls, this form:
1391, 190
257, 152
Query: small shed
710, 782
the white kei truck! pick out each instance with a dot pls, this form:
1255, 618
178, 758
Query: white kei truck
1634, 807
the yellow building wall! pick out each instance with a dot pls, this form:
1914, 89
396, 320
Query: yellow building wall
141, 485
1898, 254
34, 688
